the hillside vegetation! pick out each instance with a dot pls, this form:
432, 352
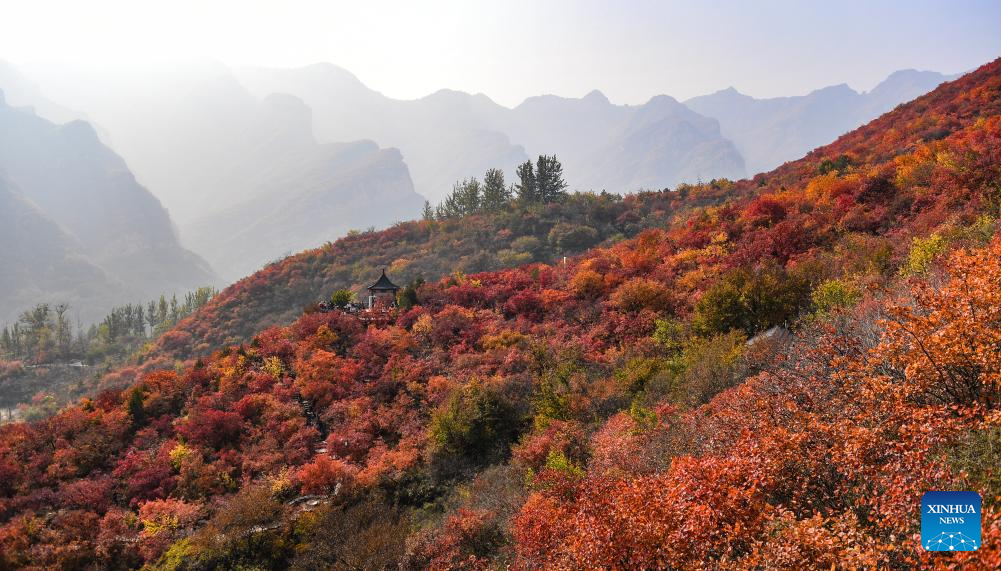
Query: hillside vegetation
47, 361
515, 235
766, 374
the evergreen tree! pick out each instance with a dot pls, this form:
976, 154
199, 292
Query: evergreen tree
137, 412
161, 314
6, 343
467, 196
151, 317
527, 189
549, 182
63, 332
495, 192
140, 325
449, 208
428, 213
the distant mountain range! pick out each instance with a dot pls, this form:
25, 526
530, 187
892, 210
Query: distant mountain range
243, 176
296, 194
769, 132
76, 227
450, 135
256, 163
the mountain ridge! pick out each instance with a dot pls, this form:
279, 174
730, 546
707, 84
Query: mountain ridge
771, 131
88, 192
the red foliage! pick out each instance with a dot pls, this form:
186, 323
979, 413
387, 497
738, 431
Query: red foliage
818, 460
326, 475
215, 428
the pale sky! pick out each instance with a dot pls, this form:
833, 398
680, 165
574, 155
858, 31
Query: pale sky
512, 49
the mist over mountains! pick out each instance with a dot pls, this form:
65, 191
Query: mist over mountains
451, 135
243, 176
253, 164
77, 227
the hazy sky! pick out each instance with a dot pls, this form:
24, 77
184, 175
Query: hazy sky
510, 49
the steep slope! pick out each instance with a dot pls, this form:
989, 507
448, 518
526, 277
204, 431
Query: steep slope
275, 294
769, 132
42, 262
87, 190
553, 416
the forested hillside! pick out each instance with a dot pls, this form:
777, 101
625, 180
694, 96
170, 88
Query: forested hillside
769, 374
48, 359
523, 234
513, 235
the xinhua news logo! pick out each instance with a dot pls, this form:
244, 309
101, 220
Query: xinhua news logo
950, 521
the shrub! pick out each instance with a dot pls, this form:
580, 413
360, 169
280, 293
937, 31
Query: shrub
750, 300
710, 366
834, 294
588, 284
474, 427
326, 475
341, 297
641, 293
923, 253
572, 237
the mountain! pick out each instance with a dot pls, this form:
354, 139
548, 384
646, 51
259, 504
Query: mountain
42, 262
275, 294
20, 91
797, 357
451, 135
413, 250
769, 132
295, 193
244, 176
623, 148
248, 182
79, 202
444, 137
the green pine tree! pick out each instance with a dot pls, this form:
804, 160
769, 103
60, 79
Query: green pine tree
549, 179
495, 192
527, 189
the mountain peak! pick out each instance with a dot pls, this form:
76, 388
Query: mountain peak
907, 78
838, 89
80, 131
663, 101
332, 70
596, 96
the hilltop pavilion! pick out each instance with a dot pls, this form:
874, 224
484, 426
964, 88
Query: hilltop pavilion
383, 289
